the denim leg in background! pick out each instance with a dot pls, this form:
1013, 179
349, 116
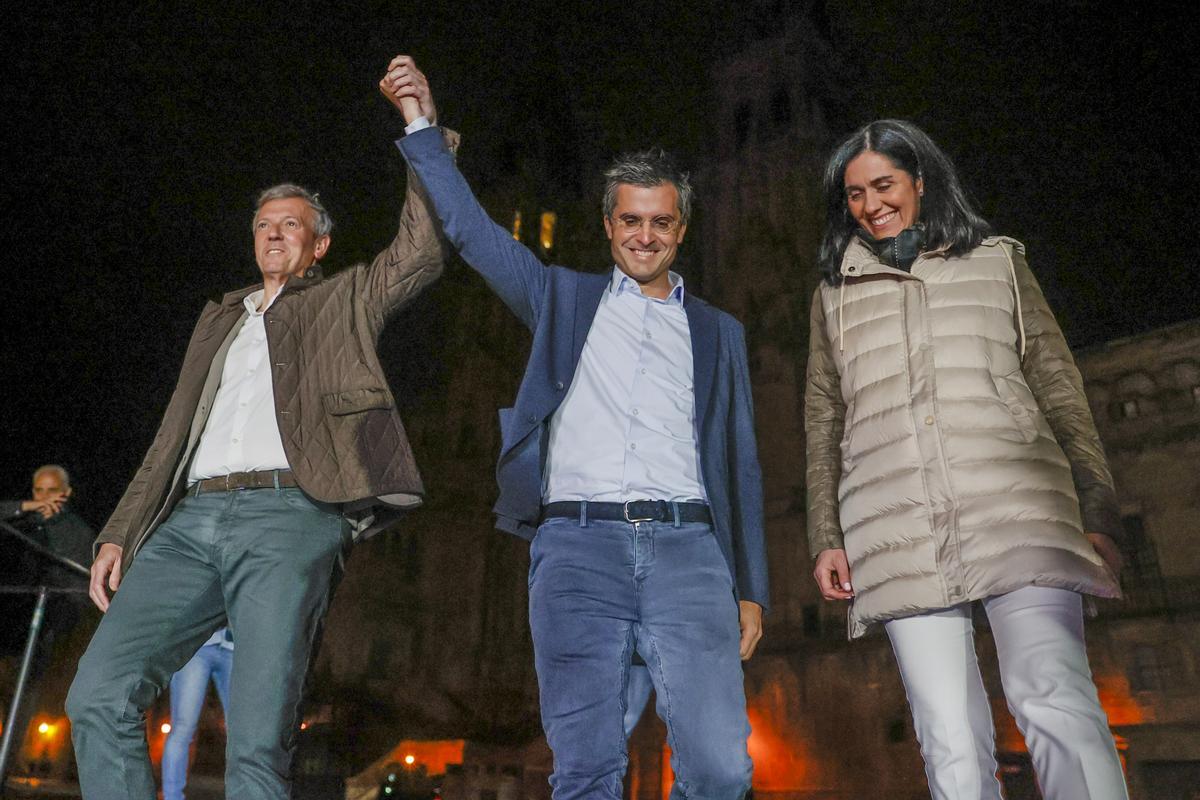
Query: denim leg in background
637, 693
189, 687
595, 591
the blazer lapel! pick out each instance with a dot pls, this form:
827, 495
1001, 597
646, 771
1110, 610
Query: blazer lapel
587, 302
702, 323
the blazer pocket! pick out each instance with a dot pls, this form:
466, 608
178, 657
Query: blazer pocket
353, 401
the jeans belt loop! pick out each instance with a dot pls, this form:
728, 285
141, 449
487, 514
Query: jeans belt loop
275, 476
675, 511
583, 514
227, 483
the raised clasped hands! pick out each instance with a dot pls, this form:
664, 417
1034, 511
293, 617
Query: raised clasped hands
406, 88
47, 507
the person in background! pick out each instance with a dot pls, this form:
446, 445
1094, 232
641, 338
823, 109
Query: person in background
189, 686
49, 518
952, 458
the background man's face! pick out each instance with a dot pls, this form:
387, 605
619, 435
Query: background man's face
48, 485
284, 240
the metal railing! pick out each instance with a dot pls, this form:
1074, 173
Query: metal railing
35, 627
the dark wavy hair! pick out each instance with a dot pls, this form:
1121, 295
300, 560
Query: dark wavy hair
951, 224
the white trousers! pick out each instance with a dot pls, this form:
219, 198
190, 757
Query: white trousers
1047, 683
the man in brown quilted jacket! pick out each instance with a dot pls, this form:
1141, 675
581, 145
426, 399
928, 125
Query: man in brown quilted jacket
280, 445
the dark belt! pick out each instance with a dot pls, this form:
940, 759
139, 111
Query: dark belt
633, 511
237, 481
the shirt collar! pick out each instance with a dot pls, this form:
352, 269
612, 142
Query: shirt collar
620, 282
252, 300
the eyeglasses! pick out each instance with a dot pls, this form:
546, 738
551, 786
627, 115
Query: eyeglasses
632, 223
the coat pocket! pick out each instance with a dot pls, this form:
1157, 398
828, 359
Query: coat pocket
353, 401
1024, 419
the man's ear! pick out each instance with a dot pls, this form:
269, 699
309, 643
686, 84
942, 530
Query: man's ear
608, 226
680, 233
321, 247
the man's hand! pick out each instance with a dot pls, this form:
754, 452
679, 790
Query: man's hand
833, 575
750, 620
406, 88
1107, 549
106, 566
47, 508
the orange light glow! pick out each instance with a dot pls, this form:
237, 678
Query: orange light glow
780, 762
303, 726
45, 729
166, 727
410, 759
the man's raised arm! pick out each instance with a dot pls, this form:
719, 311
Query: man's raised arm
513, 272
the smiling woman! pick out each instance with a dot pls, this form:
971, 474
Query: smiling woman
886, 178
952, 457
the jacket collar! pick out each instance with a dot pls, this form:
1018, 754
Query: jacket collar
312, 275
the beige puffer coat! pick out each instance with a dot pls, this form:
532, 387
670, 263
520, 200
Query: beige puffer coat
949, 439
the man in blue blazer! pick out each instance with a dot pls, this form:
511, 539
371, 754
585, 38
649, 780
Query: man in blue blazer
629, 460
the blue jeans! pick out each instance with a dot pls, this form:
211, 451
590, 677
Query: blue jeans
262, 561
188, 687
599, 591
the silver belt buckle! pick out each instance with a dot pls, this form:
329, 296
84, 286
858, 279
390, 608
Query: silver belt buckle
625, 511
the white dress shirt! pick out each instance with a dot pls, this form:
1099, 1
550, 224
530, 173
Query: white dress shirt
626, 429
242, 433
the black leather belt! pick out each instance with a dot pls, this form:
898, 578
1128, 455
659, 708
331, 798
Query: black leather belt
633, 511
237, 481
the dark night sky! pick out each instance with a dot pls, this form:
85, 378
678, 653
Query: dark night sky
136, 141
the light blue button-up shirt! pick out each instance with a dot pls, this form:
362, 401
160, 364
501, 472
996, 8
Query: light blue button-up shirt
626, 429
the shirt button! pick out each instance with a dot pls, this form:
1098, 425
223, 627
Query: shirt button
635, 412
643, 370
633, 446
929, 420
648, 336
530, 418
558, 385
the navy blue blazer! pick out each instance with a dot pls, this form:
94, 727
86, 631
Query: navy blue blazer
558, 305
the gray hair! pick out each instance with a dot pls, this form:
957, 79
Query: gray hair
647, 168
322, 222
63, 476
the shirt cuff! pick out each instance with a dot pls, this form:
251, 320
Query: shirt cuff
418, 124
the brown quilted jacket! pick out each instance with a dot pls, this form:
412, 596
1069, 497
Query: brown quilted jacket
342, 435
951, 450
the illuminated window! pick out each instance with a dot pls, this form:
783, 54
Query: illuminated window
546, 234
516, 229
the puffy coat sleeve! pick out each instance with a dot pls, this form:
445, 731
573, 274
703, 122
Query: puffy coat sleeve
824, 421
1051, 374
